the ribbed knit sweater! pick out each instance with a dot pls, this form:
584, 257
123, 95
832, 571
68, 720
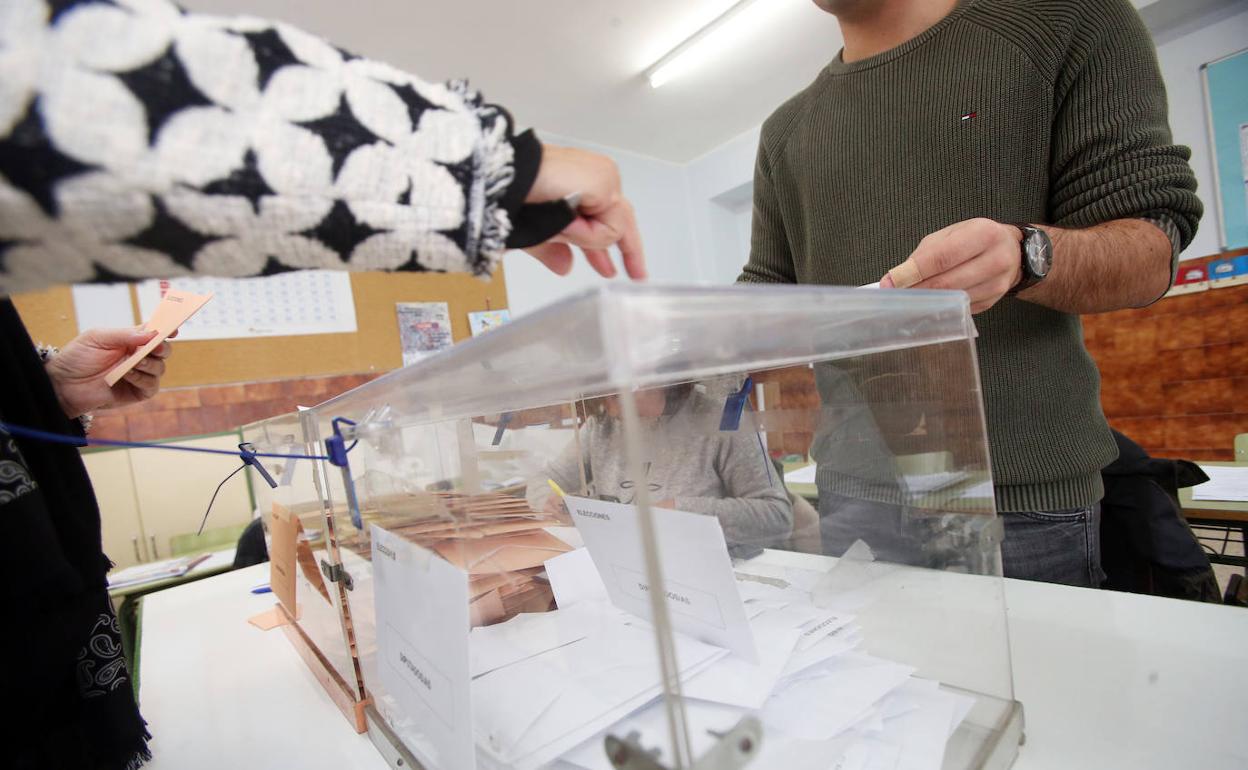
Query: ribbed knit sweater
1039, 111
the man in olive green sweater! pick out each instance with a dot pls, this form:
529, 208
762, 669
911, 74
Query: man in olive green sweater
916, 154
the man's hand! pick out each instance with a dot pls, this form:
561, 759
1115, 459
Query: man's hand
979, 256
77, 371
604, 216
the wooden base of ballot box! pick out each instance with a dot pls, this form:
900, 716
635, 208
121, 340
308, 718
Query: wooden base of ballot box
339, 691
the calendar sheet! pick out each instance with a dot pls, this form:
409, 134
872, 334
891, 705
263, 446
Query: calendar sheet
304, 302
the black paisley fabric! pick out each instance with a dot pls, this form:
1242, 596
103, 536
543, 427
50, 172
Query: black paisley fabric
64, 668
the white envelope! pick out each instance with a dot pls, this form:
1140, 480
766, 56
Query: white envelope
736, 682
532, 633
838, 642
574, 578
700, 586
704, 720
595, 681
835, 696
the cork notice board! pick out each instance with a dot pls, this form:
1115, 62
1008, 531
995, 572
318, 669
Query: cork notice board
374, 347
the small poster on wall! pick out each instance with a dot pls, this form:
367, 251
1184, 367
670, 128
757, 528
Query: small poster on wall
1226, 100
424, 329
482, 321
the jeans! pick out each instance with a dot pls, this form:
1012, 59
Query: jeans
1048, 546
1054, 546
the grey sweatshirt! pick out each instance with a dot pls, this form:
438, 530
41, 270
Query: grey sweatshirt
687, 458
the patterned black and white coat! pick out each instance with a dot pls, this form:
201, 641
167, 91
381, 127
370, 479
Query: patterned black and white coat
137, 141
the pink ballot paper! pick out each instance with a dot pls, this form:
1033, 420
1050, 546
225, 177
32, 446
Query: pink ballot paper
174, 308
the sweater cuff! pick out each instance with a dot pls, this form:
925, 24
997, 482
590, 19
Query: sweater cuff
532, 223
1167, 226
527, 159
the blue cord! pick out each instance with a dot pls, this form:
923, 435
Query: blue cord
60, 438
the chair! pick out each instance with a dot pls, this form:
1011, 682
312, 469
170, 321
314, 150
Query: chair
212, 540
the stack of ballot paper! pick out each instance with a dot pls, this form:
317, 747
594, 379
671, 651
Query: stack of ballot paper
548, 687
499, 541
153, 571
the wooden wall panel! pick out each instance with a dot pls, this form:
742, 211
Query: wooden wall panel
1174, 375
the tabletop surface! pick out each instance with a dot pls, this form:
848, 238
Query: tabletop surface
1106, 679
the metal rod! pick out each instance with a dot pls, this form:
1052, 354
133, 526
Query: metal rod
668, 665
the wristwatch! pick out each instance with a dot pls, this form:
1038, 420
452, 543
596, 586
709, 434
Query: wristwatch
1037, 256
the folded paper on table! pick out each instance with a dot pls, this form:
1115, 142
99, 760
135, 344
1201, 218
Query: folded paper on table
1226, 483
699, 583
174, 308
154, 571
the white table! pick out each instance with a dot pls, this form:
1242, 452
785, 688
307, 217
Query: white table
1107, 680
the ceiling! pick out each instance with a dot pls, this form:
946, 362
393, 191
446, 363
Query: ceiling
575, 67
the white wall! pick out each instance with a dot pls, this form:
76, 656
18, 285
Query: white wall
695, 218
1181, 52
721, 182
721, 189
657, 191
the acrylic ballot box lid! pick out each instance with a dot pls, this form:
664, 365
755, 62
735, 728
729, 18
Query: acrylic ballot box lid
659, 515
629, 335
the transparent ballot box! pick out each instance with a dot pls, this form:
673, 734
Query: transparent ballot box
674, 527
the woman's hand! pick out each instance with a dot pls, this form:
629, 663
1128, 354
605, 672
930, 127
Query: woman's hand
77, 371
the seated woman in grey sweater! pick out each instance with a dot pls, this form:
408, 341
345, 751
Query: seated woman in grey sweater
689, 465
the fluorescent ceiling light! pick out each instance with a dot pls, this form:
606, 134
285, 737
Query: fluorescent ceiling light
720, 34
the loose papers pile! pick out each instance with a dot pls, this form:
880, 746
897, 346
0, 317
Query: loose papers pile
547, 687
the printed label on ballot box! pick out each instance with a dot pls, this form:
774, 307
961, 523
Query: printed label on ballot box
421, 603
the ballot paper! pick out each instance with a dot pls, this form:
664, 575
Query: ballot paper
915, 739
574, 578
1227, 483
699, 582
734, 681
705, 720
533, 633
827, 699
802, 475
174, 308
421, 606
529, 713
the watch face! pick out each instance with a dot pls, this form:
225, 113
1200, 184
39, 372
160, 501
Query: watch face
1039, 251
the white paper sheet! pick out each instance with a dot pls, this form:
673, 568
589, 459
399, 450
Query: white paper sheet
574, 579
421, 605
703, 601
532, 633
838, 642
1227, 483
920, 735
102, 306
926, 483
650, 725
802, 475
595, 682
733, 681
831, 698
